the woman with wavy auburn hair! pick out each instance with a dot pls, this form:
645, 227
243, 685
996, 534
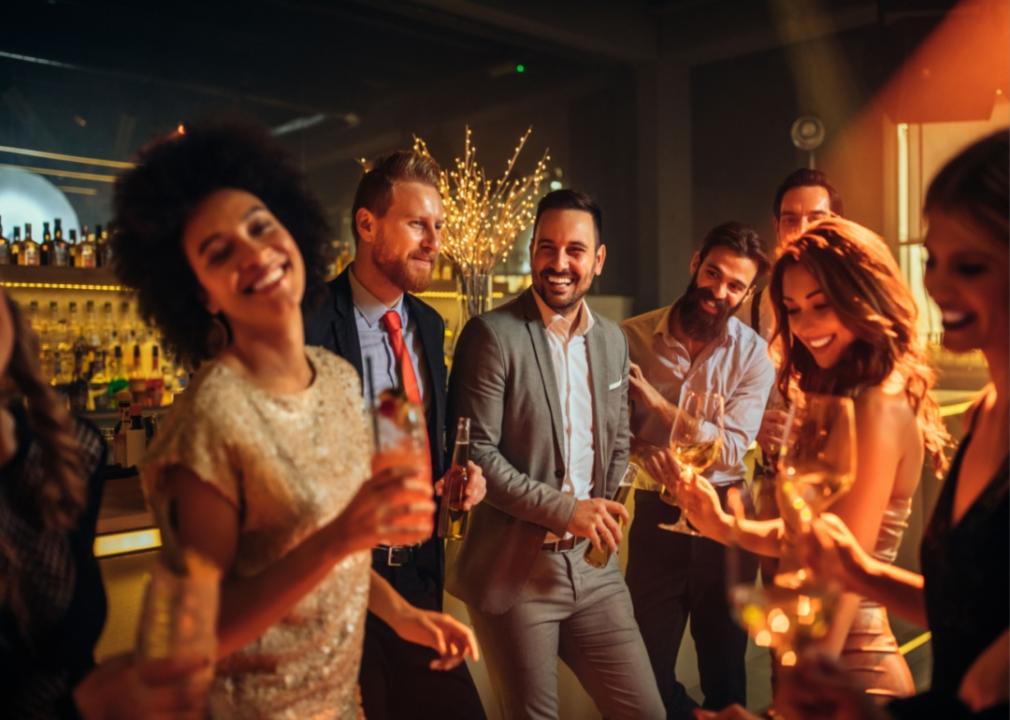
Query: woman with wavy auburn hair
847, 324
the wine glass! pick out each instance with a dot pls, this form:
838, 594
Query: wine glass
696, 441
817, 465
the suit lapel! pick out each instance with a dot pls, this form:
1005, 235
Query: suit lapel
599, 372
542, 352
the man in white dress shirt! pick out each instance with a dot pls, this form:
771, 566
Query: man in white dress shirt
544, 380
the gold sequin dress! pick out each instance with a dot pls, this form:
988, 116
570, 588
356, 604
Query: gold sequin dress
289, 463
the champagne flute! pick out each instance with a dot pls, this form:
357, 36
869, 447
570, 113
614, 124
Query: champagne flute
782, 619
696, 441
817, 465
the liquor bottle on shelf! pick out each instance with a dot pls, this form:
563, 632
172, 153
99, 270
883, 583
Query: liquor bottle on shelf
35, 317
86, 249
155, 382
72, 249
101, 241
5, 250
105, 247
17, 246
98, 383
60, 256
107, 326
29, 254
46, 249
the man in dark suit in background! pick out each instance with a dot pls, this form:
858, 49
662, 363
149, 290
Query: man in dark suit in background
370, 313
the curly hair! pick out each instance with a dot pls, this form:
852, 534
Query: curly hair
154, 201
862, 282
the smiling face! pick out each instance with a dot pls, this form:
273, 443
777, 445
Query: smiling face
812, 319
720, 284
966, 275
405, 241
801, 208
564, 257
246, 262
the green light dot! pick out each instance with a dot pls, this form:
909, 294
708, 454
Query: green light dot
520, 68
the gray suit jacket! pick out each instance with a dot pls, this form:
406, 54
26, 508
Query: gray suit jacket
503, 379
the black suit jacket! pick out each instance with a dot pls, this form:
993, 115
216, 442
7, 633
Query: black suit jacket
332, 326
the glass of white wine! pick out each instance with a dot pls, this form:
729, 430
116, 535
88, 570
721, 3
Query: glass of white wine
696, 441
817, 465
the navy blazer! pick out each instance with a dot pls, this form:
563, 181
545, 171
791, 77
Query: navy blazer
332, 326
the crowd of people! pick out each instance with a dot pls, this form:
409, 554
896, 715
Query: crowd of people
332, 578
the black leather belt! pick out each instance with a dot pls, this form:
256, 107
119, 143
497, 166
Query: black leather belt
395, 555
562, 545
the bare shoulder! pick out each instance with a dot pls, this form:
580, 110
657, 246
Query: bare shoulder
884, 407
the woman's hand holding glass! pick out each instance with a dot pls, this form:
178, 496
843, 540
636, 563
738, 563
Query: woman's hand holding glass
695, 495
394, 507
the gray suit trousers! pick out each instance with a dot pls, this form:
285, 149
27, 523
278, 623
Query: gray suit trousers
583, 615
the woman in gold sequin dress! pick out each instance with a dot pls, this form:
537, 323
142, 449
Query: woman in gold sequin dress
264, 460
848, 327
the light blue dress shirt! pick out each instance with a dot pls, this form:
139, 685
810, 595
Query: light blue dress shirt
374, 342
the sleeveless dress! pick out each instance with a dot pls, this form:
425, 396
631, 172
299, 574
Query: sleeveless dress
870, 653
967, 586
289, 463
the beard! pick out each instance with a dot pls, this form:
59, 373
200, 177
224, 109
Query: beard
696, 322
401, 273
541, 283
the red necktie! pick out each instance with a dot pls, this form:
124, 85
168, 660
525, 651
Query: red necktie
391, 321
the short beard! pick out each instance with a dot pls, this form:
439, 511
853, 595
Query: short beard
697, 323
397, 272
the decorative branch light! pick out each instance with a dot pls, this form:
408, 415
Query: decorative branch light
483, 216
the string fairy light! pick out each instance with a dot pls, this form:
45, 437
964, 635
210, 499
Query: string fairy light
484, 216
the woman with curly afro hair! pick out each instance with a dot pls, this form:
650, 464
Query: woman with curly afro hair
262, 465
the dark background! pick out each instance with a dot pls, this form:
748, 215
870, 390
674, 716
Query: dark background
675, 114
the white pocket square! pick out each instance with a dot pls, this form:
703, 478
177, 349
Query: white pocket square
615, 385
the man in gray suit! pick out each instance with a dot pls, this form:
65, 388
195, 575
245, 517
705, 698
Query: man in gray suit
545, 382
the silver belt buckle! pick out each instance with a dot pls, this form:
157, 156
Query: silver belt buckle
390, 552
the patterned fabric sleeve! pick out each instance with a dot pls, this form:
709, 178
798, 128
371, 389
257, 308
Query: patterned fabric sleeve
192, 436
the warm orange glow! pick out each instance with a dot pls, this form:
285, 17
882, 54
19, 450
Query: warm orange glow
181, 129
957, 72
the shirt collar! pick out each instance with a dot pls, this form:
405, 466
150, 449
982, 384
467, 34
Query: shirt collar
554, 322
370, 307
663, 330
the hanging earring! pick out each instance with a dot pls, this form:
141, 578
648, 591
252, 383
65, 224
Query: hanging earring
218, 336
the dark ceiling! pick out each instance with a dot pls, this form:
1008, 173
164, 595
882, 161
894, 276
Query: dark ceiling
340, 79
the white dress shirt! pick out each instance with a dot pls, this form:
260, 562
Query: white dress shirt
570, 360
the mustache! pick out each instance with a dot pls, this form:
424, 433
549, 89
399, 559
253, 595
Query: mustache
699, 294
